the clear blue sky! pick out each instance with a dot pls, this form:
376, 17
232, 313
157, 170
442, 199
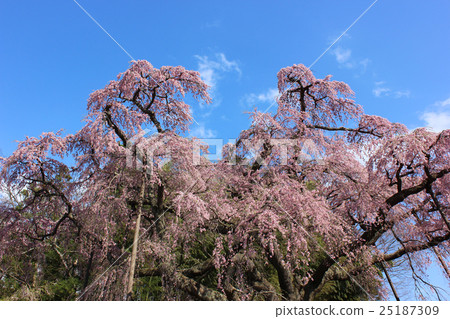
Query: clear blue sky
52, 56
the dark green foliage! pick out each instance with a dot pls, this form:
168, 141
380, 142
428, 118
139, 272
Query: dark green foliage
148, 288
341, 290
62, 289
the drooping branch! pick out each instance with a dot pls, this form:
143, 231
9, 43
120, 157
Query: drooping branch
419, 247
376, 230
199, 269
344, 129
441, 261
391, 284
435, 250
183, 281
403, 194
67, 215
121, 134
146, 109
197, 290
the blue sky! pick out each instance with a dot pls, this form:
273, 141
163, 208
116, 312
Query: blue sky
52, 56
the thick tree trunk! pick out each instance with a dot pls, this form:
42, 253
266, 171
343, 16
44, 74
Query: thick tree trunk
285, 276
317, 278
133, 258
159, 209
88, 270
129, 294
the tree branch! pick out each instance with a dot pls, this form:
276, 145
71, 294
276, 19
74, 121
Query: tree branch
409, 249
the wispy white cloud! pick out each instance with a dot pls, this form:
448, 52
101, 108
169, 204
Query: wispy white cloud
211, 69
201, 131
445, 103
364, 63
438, 119
342, 55
345, 60
381, 90
266, 97
399, 94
